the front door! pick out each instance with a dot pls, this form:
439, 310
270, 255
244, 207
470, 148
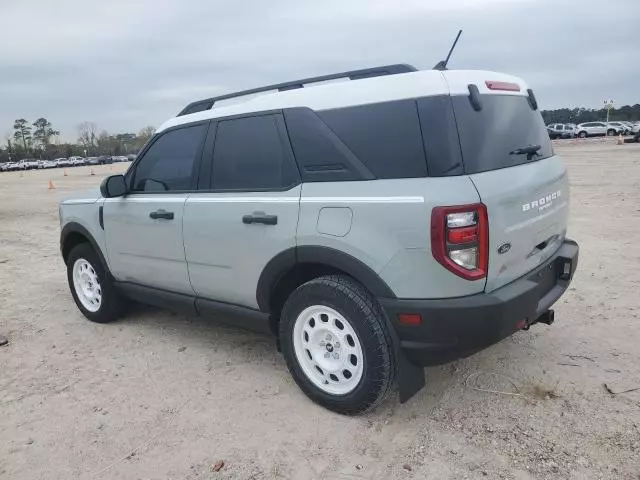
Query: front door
144, 228
250, 212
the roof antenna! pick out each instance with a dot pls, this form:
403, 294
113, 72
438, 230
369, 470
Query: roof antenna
442, 64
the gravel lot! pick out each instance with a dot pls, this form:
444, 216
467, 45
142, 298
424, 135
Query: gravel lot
161, 396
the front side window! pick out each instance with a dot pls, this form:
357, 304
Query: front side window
252, 153
168, 164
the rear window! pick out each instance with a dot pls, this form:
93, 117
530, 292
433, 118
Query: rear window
504, 124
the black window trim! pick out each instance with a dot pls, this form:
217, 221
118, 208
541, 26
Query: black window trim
195, 172
206, 169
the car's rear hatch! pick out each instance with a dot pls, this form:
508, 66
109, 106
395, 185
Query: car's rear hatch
525, 188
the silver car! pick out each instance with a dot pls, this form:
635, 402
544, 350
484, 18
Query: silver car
356, 221
594, 129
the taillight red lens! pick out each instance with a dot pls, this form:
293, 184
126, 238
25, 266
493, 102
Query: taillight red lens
462, 235
507, 86
463, 249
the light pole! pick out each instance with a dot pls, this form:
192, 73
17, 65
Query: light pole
608, 105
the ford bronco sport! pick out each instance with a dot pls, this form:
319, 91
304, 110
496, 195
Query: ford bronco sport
375, 225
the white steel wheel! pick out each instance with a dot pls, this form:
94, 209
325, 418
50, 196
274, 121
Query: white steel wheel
328, 350
87, 285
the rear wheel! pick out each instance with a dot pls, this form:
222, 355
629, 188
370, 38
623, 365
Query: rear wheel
582, 134
611, 133
337, 346
92, 286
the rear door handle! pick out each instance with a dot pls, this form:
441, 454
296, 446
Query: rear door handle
260, 217
161, 214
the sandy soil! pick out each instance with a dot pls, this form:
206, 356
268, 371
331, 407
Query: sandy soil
161, 396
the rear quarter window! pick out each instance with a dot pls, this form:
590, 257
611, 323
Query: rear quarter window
385, 137
505, 123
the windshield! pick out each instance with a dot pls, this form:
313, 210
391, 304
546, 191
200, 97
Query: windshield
497, 136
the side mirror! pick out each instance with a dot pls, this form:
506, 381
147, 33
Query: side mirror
113, 186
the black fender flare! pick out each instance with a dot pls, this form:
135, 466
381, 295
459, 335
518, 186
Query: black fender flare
76, 228
282, 263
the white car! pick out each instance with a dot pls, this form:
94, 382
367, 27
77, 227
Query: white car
62, 162
621, 127
594, 129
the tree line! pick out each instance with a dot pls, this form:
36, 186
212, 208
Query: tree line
581, 115
34, 140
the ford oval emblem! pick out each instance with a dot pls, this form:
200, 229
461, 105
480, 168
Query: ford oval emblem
504, 248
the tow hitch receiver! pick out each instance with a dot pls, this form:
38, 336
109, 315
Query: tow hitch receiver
546, 318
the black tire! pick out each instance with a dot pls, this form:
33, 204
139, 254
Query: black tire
362, 311
611, 133
112, 304
582, 134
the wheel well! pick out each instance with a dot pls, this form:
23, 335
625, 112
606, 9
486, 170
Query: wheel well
296, 276
73, 239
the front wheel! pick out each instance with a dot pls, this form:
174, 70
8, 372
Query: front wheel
92, 286
337, 345
611, 133
582, 135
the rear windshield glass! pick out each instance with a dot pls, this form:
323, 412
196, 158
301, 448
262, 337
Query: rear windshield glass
505, 124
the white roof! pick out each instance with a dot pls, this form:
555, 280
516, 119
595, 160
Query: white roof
348, 93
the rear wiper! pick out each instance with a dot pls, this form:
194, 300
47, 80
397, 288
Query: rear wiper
529, 150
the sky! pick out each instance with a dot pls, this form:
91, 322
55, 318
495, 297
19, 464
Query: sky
126, 64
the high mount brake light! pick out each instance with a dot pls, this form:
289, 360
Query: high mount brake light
460, 239
506, 86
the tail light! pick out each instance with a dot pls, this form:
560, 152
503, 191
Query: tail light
460, 239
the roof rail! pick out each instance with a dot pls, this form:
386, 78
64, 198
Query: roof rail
207, 104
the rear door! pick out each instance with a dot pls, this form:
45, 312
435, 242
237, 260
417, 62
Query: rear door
508, 156
248, 211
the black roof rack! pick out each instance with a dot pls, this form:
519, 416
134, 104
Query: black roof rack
206, 104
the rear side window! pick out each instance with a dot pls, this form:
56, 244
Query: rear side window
505, 124
252, 153
385, 137
168, 164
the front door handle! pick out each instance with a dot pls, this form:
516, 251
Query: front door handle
161, 214
259, 217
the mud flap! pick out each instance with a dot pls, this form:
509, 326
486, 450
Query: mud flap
410, 377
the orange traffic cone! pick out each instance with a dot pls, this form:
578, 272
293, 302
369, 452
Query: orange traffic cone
620, 141
91, 172
65, 172
51, 185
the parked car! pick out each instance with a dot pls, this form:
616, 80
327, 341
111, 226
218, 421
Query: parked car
92, 161
629, 125
120, 158
104, 159
62, 162
4, 166
77, 161
365, 269
620, 127
594, 129
131, 157
560, 130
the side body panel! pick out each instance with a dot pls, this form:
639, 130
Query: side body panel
225, 255
389, 229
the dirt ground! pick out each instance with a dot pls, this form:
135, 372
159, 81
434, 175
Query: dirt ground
161, 396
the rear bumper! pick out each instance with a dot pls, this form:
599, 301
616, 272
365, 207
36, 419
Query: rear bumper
458, 327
